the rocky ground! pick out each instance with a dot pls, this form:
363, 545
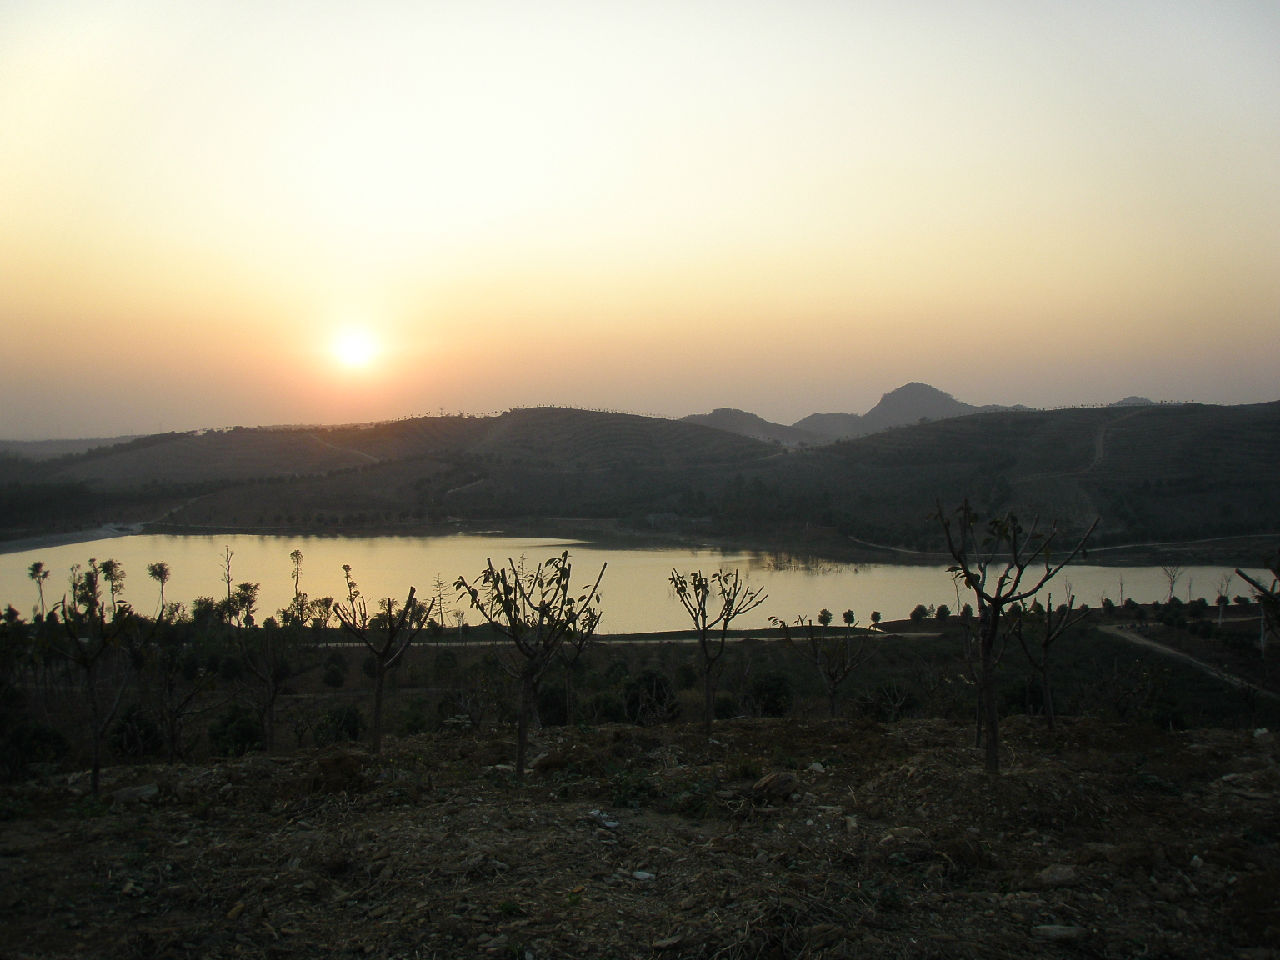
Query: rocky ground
775, 839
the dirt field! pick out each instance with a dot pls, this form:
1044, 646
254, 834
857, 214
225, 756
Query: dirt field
776, 839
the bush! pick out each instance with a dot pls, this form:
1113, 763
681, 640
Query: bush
770, 695
235, 733
30, 742
608, 707
726, 707
341, 724
333, 676
135, 734
552, 709
919, 613
650, 699
889, 702
687, 676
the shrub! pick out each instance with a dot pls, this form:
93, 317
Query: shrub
608, 707
770, 695
333, 677
135, 734
650, 699
552, 709
235, 733
889, 702
30, 742
919, 613
726, 707
338, 725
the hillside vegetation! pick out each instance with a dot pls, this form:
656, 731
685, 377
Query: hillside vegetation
1149, 473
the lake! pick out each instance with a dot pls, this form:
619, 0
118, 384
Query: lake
636, 595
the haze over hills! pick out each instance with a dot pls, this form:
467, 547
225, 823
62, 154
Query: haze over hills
910, 403
1148, 472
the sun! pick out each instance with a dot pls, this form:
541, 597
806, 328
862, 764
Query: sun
354, 347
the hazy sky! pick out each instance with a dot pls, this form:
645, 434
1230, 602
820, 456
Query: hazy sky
658, 207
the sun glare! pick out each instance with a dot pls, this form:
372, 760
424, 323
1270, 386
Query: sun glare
355, 348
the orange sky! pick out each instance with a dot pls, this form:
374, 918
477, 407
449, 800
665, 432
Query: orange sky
658, 207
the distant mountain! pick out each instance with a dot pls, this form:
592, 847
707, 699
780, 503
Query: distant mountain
1134, 402
756, 427
910, 403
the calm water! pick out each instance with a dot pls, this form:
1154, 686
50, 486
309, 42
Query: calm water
635, 590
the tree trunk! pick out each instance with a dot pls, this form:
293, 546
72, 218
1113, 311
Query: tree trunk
708, 700
1047, 690
380, 676
990, 715
528, 698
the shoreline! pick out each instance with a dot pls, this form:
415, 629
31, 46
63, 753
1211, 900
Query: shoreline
106, 532
1211, 551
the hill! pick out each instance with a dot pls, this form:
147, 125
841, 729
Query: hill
908, 404
751, 425
1149, 472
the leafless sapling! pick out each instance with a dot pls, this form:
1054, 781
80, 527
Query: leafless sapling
386, 635
834, 658
713, 603
93, 645
1054, 623
537, 611
1002, 563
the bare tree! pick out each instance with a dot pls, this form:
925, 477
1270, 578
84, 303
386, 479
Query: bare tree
1171, 573
227, 554
537, 611
713, 602
93, 645
1055, 624
834, 658
170, 660
386, 635
39, 574
1223, 600
1003, 563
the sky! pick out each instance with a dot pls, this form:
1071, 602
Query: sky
222, 213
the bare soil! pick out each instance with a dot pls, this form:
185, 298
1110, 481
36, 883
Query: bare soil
775, 839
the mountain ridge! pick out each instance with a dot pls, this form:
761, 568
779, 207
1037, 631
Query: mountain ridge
1151, 472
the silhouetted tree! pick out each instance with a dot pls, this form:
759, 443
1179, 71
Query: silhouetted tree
1053, 624
39, 574
834, 658
537, 611
92, 645
159, 572
386, 635
713, 602
113, 573
999, 563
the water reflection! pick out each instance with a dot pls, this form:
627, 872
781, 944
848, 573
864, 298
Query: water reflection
636, 594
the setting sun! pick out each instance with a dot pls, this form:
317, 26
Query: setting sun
354, 348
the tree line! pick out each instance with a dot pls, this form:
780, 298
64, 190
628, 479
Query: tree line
137, 683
